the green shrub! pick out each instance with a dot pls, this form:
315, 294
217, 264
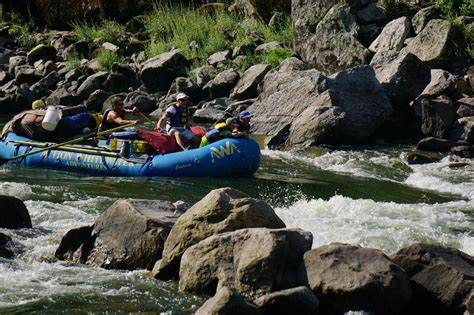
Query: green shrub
106, 58
453, 8
276, 56
73, 61
105, 31
469, 35
21, 31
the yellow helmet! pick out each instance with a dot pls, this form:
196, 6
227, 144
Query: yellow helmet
38, 104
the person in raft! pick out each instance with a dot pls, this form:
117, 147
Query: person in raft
243, 124
220, 131
176, 119
115, 116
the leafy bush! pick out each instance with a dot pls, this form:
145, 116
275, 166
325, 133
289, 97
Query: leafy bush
105, 31
106, 58
453, 8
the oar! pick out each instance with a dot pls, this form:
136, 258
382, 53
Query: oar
145, 117
55, 146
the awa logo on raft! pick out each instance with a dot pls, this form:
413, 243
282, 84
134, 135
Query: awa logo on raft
224, 150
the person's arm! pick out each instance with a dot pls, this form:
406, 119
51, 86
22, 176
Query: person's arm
114, 117
162, 122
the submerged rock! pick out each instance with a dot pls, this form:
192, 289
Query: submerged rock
6, 248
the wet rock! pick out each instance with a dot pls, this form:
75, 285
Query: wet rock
432, 44
41, 52
298, 300
157, 73
435, 144
92, 83
346, 277
225, 302
128, 235
222, 84
423, 157
441, 277
14, 214
222, 210
253, 262
246, 88
6, 248
393, 36
464, 151
325, 34
403, 76
438, 116
423, 16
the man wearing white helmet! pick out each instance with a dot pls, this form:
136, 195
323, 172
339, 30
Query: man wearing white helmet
177, 121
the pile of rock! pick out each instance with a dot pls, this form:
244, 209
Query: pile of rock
236, 248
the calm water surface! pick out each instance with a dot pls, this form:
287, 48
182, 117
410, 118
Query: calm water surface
364, 196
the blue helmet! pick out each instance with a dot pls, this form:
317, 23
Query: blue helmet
245, 114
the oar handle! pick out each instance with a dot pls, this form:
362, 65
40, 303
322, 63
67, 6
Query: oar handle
55, 146
145, 117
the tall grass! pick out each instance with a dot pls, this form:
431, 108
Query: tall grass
210, 32
105, 31
106, 58
21, 31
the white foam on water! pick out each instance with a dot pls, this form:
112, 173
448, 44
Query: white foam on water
384, 225
18, 190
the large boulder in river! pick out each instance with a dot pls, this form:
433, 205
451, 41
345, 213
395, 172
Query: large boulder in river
13, 213
326, 34
6, 248
303, 108
158, 73
130, 235
227, 302
438, 44
222, 210
346, 277
442, 278
403, 76
253, 262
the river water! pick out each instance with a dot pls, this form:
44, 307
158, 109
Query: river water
366, 196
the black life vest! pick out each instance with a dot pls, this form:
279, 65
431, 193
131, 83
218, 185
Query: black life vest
106, 125
180, 118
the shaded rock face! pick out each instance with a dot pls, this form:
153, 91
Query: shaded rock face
246, 88
326, 34
438, 116
59, 13
13, 213
222, 210
303, 108
222, 84
128, 235
225, 302
442, 278
253, 262
298, 300
346, 277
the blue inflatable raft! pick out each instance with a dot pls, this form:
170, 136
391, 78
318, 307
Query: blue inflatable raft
226, 157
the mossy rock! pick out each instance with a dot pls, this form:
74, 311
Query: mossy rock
423, 157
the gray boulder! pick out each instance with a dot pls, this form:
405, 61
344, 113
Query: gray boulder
435, 144
222, 210
226, 302
403, 76
422, 17
13, 213
437, 117
393, 36
253, 262
219, 58
41, 52
186, 85
222, 84
465, 107
92, 83
203, 75
115, 83
434, 44
143, 102
315, 109
326, 34
346, 277
62, 96
158, 72
14, 62
299, 300
246, 88
128, 235
463, 129
46, 85
96, 100
27, 75
442, 278
442, 82
265, 48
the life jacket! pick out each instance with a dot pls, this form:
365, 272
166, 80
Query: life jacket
28, 124
241, 126
180, 118
106, 125
220, 131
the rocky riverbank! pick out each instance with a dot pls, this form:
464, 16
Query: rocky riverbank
361, 72
236, 248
